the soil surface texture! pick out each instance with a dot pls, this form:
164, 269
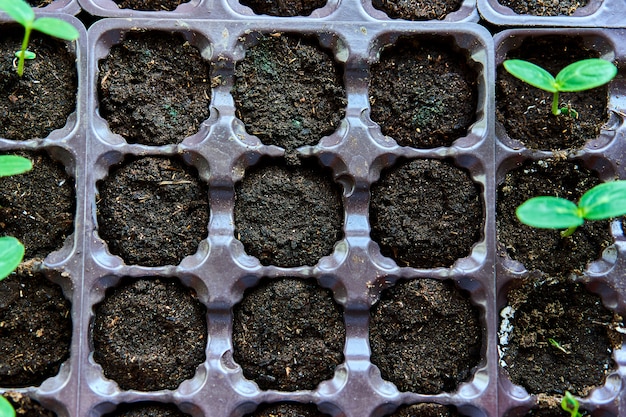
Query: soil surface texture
545, 249
27, 407
544, 7
425, 410
417, 9
41, 100
153, 211
147, 410
287, 410
288, 215
35, 316
575, 319
146, 345
526, 111
154, 88
284, 7
425, 336
38, 207
423, 92
289, 91
149, 5
288, 334
425, 213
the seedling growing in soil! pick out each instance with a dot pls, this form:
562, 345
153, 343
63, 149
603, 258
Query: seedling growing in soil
570, 404
6, 409
11, 250
603, 201
23, 14
579, 76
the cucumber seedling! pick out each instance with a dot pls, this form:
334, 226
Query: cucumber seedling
579, 76
22, 13
570, 404
6, 409
603, 201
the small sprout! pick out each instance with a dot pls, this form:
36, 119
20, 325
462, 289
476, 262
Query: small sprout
6, 409
603, 201
557, 345
570, 404
23, 14
579, 76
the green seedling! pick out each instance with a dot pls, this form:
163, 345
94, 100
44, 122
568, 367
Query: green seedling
579, 76
6, 409
23, 14
570, 404
603, 201
558, 346
11, 249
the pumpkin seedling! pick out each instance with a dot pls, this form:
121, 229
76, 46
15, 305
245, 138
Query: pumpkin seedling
603, 201
570, 404
11, 249
23, 14
579, 76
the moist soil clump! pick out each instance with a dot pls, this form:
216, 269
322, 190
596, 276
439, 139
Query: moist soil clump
545, 249
544, 8
288, 334
417, 9
27, 407
146, 345
526, 111
567, 313
284, 7
423, 93
42, 99
154, 88
153, 211
147, 410
149, 5
425, 410
289, 91
288, 215
287, 410
425, 213
34, 316
38, 207
425, 336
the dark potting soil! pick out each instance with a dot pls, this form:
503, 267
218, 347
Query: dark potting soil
288, 215
425, 213
566, 312
425, 336
545, 249
284, 7
27, 407
287, 410
288, 334
289, 91
146, 345
41, 100
423, 92
153, 211
35, 316
526, 111
38, 207
147, 410
543, 7
149, 5
425, 410
154, 88
417, 9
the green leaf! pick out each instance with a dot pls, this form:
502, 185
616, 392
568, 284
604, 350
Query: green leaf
549, 213
6, 409
531, 74
570, 404
585, 75
56, 27
604, 201
11, 254
18, 10
27, 54
13, 165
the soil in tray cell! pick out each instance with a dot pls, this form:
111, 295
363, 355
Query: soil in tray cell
423, 92
425, 213
425, 336
287, 410
425, 410
41, 100
35, 320
526, 111
146, 345
417, 9
545, 249
154, 88
149, 5
289, 91
38, 207
147, 410
544, 8
153, 211
558, 336
27, 407
288, 215
284, 7
288, 334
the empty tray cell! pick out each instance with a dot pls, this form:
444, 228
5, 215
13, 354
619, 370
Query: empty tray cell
146, 345
284, 7
287, 410
152, 211
423, 92
146, 410
288, 334
544, 8
149, 5
425, 410
417, 9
